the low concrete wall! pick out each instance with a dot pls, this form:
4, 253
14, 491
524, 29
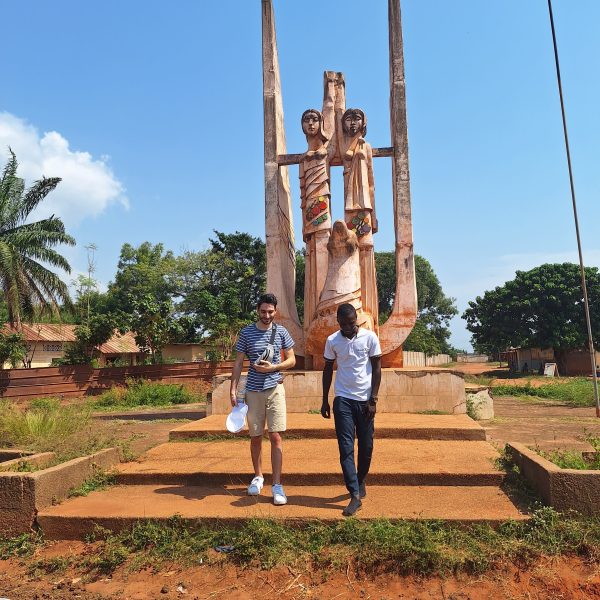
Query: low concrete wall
402, 390
563, 489
23, 494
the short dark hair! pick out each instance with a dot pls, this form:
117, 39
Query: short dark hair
346, 310
267, 299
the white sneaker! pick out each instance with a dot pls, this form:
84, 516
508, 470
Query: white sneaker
255, 486
279, 497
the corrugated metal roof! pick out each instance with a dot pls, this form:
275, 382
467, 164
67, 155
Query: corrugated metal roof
45, 332
120, 344
59, 332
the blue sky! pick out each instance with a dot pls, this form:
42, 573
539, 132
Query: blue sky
152, 114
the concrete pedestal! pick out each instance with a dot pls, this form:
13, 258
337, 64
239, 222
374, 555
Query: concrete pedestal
402, 390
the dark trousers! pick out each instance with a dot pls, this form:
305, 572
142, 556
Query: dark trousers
351, 421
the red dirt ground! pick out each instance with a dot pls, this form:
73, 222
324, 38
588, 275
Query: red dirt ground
565, 578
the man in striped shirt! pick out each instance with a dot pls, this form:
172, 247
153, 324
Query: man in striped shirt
262, 343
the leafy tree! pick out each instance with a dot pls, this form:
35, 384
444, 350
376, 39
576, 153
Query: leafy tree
97, 330
13, 349
219, 287
140, 271
541, 308
153, 323
431, 331
24, 247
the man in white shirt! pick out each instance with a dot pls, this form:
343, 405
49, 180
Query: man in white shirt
358, 355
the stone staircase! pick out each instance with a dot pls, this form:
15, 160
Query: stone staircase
423, 467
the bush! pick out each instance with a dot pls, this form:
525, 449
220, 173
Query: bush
46, 426
139, 393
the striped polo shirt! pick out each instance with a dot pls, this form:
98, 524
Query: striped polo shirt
252, 342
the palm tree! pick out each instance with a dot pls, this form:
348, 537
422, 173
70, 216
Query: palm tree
27, 284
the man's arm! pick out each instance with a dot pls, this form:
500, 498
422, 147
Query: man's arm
235, 377
289, 362
375, 383
326, 380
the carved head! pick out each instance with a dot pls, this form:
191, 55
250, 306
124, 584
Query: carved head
354, 122
312, 122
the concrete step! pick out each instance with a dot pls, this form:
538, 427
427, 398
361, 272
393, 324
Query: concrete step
388, 425
120, 507
316, 462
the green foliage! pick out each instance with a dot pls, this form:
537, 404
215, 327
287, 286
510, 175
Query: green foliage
13, 349
49, 427
25, 247
407, 547
100, 480
98, 329
139, 393
154, 324
540, 308
431, 331
21, 546
40, 425
219, 287
577, 391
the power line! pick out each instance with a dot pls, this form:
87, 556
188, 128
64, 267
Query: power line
583, 282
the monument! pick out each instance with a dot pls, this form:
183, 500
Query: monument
340, 259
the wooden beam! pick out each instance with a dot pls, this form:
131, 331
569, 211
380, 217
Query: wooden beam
294, 159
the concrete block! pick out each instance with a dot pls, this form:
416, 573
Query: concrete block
563, 489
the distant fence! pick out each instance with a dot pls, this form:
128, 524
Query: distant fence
420, 359
472, 358
75, 381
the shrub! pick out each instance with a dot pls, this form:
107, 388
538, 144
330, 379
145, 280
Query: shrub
139, 393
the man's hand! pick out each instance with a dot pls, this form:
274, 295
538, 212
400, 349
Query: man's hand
233, 397
325, 410
264, 366
371, 409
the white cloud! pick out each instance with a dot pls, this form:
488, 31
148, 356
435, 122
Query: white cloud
88, 185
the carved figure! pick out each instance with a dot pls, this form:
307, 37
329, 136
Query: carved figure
359, 199
315, 194
342, 286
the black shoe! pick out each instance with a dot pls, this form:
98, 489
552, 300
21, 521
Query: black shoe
362, 490
353, 506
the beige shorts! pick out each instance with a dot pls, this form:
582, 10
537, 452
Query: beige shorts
266, 405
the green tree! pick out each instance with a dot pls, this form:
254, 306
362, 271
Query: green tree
13, 349
146, 269
541, 308
24, 248
153, 323
97, 330
431, 331
219, 287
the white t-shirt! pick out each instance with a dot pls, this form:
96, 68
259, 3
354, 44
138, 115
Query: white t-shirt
353, 377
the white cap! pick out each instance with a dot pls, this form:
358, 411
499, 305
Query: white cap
236, 419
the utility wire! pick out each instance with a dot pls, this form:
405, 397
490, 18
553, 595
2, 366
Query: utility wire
583, 282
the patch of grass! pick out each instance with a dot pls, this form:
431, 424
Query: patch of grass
21, 546
432, 412
478, 379
577, 391
139, 394
407, 547
46, 566
100, 480
573, 459
46, 426
471, 407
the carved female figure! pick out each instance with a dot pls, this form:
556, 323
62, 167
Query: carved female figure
359, 199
